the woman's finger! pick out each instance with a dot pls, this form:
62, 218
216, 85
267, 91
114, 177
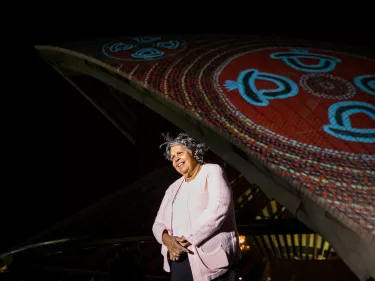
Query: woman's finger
184, 244
180, 248
175, 252
173, 256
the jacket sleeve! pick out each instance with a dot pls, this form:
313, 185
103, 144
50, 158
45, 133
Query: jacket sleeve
218, 208
159, 224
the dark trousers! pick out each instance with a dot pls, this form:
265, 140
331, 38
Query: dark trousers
181, 271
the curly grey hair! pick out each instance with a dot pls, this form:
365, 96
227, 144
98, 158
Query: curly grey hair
197, 149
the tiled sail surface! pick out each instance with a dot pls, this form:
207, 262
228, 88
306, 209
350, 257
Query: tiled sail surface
307, 112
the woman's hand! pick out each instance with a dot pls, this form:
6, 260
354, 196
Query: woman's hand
183, 241
174, 247
173, 257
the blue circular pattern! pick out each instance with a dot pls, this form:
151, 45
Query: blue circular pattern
366, 83
143, 48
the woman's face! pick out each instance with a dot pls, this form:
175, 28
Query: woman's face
182, 160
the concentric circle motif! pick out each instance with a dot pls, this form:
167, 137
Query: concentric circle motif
294, 95
143, 48
327, 86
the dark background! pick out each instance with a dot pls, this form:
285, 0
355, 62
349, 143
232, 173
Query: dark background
61, 153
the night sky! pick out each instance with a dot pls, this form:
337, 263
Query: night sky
64, 154
67, 155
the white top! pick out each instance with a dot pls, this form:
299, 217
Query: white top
179, 211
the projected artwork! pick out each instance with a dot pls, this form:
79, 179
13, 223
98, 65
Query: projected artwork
340, 126
143, 48
327, 86
366, 83
318, 62
307, 114
286, 99
246, 86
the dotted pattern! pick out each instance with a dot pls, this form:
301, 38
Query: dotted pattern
327, 86
339, 175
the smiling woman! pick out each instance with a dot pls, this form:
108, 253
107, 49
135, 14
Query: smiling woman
195, 223
185, 153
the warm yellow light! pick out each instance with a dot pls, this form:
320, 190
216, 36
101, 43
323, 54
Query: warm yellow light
243, 245
4, 268
242, 239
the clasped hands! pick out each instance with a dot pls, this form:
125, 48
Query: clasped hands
176, 245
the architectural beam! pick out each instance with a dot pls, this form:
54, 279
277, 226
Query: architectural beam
268, 227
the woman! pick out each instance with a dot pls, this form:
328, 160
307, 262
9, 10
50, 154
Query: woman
196, 222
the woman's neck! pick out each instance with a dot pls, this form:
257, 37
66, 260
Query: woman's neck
194, 173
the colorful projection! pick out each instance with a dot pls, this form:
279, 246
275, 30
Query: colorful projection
143, 48
306, 113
